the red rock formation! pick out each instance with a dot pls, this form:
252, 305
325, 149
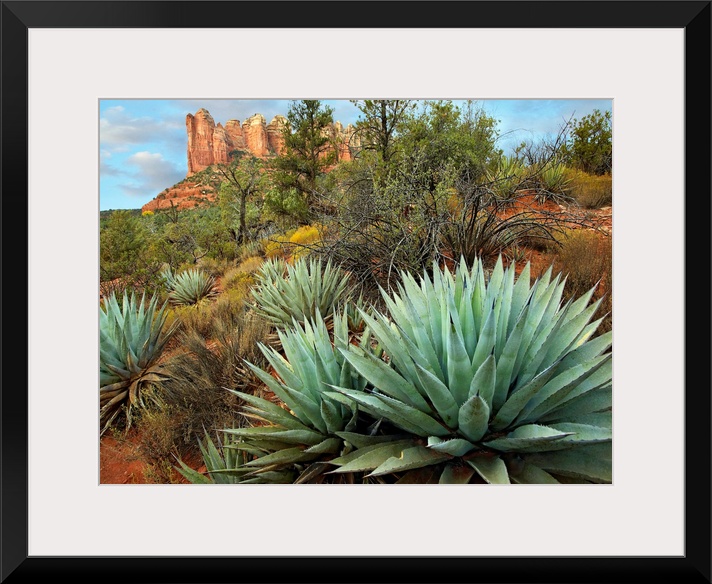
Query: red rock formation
275, 138
254, 129
200, 129
234, 131
209, 144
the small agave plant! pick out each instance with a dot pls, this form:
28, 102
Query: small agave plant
296, 444
189, 287
131, 340
498, 381
285, 292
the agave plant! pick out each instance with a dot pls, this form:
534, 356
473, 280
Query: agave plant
552, 181
497, 381
224, 463
189, 287
285, 292
131, 341
296, 444
509, 176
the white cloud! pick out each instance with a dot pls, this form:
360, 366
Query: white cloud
117, 130
148, 173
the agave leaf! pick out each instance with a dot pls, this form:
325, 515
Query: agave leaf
459, 369
520, 294
454, 447
558, 389
192, 475
473, 417
491, 469
369, 457
600, 377
313, 471
409, 458
386, 379
271, 478
587, 351
483, 383
281, 392
270, 411
398, 413
597, 419
590, 462
327, 446
387, 337
286, 456
596, 400
361, 441
331, 414
505, 364
439, 396
486, 342
582, 434
456, 475
517, 400
540, 299
533, 475
275, 433
530, 438
570, 330
504, 301
427, 475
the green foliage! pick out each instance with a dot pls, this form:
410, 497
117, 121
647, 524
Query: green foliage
286, 206
445, 133
239, 195
125, 241
285, 292
380, 126
308, 152
590, 144
189, 287
131, 341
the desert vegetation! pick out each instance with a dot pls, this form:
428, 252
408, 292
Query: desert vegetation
431, 310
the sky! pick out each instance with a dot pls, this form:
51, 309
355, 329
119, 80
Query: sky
143, 142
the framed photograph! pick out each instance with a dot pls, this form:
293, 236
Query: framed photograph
65, 63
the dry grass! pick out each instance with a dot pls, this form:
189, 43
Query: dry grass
590, 191
586, 257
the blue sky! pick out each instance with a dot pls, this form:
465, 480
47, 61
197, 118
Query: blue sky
143, 142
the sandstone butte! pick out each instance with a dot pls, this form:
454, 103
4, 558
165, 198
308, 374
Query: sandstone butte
210, 144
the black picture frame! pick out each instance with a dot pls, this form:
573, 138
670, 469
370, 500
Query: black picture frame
694, 566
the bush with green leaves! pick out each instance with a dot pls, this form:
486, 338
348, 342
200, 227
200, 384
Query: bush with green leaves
189, 287
132, 338
285, 292
481, 380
